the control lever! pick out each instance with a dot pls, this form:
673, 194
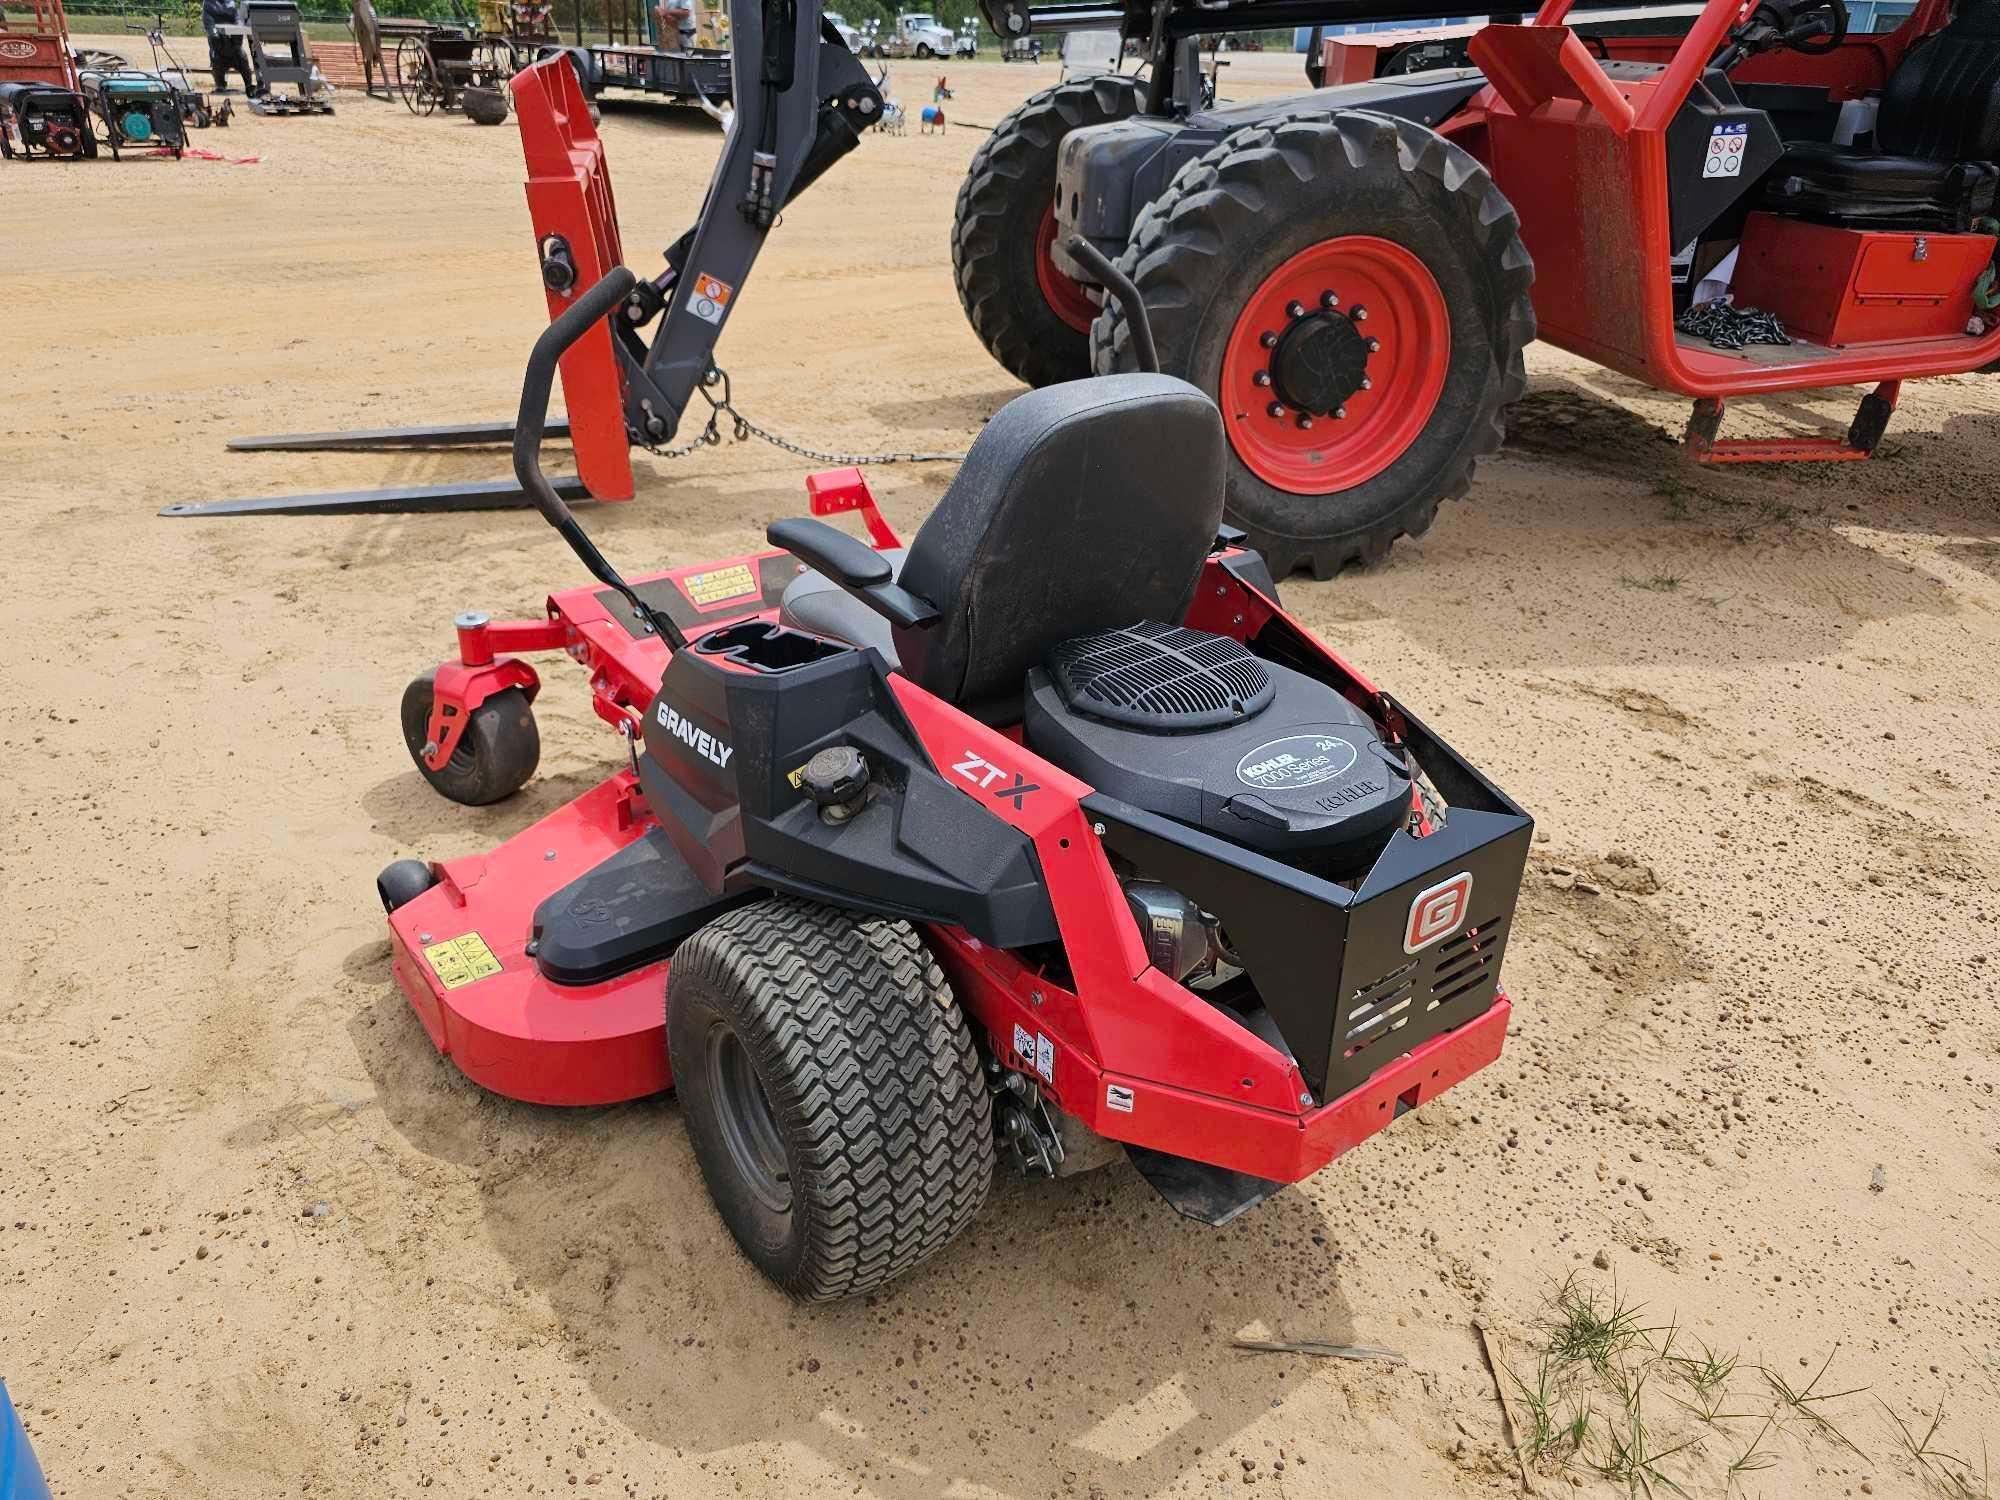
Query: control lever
585, 313
1117, 284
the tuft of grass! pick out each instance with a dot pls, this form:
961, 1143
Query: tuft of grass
1808, 1403
1658, 583
1945, 1473
1664, 1414
1676, 493
1593, 1332
1707, 1376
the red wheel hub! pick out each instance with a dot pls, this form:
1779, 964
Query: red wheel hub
1335, 365
1069, 300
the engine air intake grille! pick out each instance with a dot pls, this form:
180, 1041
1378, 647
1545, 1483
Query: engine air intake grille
1165, 678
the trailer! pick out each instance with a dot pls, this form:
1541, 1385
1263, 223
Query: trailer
676, 50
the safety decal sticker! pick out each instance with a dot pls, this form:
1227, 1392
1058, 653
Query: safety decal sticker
1024, 1045
719, 585
1118, 1097
460, 961
1045, 1058
1725, 149
711, 298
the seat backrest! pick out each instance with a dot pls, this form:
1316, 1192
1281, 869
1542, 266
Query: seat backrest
1081, 507
1943, 100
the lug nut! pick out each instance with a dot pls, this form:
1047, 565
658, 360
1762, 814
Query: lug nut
1374, 345
1304, 422
1340, 414
1276, 409
1295, 309
1367, 384
1262, 377
1328, 301
1269, 340
1359, 314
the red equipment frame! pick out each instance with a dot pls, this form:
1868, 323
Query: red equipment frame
569, 196
39, 54
1552, 120
1198, 1085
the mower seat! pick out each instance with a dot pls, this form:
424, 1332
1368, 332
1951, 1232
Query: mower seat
1080, 508
1939, 133
814, 603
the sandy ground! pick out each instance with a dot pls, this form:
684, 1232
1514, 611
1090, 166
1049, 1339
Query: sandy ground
1769, 695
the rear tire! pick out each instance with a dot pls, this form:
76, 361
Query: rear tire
495, 755
1242, 243
1031, 317
833, 1095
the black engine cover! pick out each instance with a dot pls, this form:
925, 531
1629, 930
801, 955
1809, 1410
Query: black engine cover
1304, 776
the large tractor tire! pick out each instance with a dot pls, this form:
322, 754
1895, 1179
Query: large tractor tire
833, 1094
1353, 291
1028, 314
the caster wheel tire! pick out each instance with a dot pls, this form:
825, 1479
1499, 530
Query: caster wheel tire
1030, 316
401, 883
833, 1094
494, 757
1353, 291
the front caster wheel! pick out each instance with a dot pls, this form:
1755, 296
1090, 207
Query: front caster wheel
401, 883
494, 757
833, 1095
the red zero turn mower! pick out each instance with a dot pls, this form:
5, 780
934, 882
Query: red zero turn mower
1049, 833
1353, 272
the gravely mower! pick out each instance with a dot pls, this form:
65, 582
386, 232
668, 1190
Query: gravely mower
1348, 271
1051, 833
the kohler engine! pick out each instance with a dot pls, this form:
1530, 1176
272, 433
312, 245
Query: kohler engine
1193, 727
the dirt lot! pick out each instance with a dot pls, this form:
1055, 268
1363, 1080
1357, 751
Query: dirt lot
1751, 1082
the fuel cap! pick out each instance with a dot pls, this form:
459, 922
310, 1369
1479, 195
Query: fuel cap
835, 776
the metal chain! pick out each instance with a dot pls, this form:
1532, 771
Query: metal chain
1727, 326
711, 433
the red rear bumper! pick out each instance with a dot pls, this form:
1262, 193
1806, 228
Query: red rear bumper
1290, 1148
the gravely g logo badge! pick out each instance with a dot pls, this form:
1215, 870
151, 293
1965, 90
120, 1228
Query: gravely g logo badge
17, 49
1438, 912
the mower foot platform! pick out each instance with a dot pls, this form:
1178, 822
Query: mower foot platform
631, 911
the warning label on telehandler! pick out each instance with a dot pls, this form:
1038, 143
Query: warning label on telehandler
711, 298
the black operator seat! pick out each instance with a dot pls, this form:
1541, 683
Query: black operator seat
1937, 133
1080, 508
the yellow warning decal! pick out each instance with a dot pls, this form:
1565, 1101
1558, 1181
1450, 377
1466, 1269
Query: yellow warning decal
797, 777
461, 961
732, 582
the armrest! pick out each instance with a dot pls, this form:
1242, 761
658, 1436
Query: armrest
854, 565
848, 561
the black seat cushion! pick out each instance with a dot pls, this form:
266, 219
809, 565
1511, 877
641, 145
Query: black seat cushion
1878, 191
1081, 507
814, 603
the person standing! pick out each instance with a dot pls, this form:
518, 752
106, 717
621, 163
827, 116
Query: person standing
224, 52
